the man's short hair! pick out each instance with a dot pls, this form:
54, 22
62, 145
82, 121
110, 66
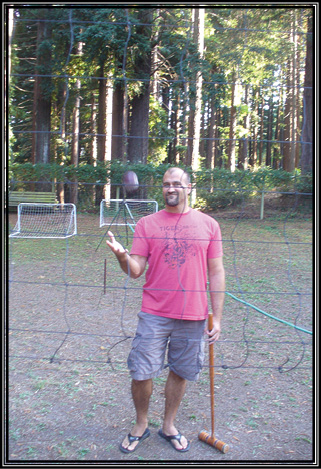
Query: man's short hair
185, 173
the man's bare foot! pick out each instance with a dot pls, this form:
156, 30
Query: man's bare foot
176, 439
133, 439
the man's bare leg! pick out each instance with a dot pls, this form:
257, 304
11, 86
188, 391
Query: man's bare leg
174, 392
141, 393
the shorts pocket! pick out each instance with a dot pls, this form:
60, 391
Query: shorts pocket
147, 355
186, 358
132, 357
201, 355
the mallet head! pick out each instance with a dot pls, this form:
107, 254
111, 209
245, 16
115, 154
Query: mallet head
212, 441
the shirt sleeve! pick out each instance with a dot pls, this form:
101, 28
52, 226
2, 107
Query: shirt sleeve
140, 245
215, 248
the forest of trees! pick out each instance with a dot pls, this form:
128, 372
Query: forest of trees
212, 87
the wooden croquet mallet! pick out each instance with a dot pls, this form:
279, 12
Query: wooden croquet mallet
210, 439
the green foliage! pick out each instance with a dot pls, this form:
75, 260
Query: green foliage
218, 188
104, 35
221, 188
266, 178
118, 41
158, 127
304, 183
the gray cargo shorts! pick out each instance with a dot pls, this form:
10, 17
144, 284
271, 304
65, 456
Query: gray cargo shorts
185, 352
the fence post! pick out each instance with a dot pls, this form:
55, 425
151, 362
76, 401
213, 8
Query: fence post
262, 204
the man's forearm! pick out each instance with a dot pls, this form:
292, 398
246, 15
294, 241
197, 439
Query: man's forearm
129, 265
217, 294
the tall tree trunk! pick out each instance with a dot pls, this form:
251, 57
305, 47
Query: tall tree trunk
290, 112
125, 113
155, 85
276, 158
117, 122
173, 153
281, 126
232, 142
244, 154
101, 122
210, 149
165, 105
294, 91
218, 160
307, 121
11, 26
139, 121
108, 132
138, 139
75, 134
172, 124
298, 108
42, 96
104, 139
184, 104
165, 100
298, 105
204, 118
124, 132
62, 98
183, 141
93, 143
196, 103
268, 158
254, 149
101, 125
261, 132
288, 164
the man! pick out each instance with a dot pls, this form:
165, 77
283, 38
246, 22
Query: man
182, 247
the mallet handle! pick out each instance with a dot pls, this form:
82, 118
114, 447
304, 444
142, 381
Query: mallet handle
210, 439
211, 365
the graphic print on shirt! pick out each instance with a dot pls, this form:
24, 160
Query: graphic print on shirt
179, 245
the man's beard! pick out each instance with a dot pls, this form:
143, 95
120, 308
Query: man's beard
172, 200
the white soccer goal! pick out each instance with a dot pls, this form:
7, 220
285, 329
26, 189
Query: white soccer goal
45, 221
122, 212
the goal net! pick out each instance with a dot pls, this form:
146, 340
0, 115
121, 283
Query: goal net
123, 212
45, 221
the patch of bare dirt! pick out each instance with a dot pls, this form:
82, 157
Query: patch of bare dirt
69, 389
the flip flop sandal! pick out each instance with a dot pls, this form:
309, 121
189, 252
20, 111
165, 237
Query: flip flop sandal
177, 437
132, 439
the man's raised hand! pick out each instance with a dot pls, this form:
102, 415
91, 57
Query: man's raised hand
114, 245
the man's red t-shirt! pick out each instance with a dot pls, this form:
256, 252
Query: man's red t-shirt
177, 247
